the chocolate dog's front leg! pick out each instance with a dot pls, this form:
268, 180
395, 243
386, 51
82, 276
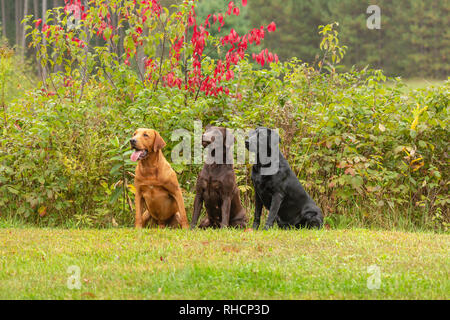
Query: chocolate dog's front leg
258, 210
277, 198
198, 203
226, 206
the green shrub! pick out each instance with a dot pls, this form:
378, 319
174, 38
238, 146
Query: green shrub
364, 150
348, 137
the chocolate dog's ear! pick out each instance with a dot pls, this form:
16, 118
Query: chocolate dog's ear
227, 136
159, 142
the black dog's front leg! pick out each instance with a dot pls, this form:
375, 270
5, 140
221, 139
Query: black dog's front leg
277, 198
226, 206
258, 210
198, 203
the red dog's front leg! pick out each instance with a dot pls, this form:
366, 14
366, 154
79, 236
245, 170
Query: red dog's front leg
138, 203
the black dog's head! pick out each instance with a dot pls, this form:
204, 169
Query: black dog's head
264, 142
220, 141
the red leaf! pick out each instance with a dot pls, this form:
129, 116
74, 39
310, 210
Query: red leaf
272, 27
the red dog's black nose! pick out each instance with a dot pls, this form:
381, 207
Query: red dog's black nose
133, 142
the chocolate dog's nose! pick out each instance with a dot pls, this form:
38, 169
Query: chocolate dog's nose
133, 142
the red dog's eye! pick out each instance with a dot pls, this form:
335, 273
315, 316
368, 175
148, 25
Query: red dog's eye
145, 135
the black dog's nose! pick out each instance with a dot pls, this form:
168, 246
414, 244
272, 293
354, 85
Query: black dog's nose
133, 142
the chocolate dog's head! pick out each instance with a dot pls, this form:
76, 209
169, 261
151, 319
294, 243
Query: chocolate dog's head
144, 142
223, 140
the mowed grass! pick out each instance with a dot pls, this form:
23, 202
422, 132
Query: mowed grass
418, 83
223, 264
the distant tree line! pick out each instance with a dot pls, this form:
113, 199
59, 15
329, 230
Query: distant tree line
13, 12
414, 39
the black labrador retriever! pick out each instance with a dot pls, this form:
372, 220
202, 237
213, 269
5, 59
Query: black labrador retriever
277, 187
216, 184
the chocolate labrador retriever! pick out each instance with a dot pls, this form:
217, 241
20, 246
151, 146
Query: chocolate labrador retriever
216, 184
277, 187
158, 198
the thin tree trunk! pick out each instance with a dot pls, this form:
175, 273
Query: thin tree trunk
36, 16
24, 32
4, 24
56, 4
36, 9
44, 41
18, 12
44, 10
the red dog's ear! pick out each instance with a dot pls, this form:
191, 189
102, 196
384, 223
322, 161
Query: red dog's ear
159, 142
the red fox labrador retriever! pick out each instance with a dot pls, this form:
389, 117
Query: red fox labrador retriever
159, 201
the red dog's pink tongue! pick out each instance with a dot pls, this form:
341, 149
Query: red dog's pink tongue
135, 156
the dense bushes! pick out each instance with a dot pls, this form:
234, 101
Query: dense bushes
370, 153
362, 149
373, 153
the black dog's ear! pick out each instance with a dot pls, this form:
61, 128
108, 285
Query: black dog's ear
273, 133
277, 135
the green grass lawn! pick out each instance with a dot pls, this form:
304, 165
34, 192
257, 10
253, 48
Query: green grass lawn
223, 264
418, 83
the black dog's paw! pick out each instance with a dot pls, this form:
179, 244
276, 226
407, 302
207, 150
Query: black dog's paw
255, 226
267, 227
